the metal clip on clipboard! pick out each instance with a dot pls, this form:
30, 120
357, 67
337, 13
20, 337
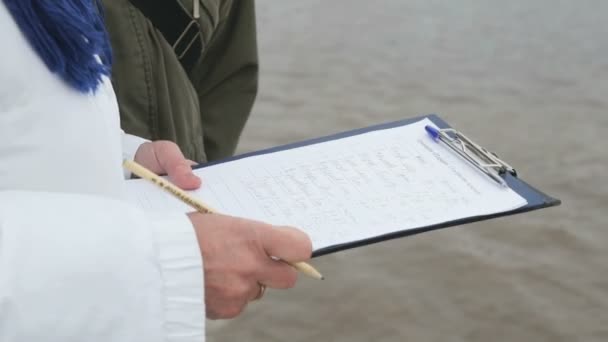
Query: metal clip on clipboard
483, 160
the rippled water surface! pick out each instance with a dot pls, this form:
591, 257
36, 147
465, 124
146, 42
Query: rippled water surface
528, 79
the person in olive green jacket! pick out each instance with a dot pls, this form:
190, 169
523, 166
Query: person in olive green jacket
201, 104
202, 108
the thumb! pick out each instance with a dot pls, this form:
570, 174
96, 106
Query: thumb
166, 157
286, 243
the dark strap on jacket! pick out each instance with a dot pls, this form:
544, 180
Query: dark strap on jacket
177, 26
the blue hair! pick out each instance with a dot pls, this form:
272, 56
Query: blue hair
67, 35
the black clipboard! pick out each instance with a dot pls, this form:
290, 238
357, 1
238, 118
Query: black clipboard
535, 198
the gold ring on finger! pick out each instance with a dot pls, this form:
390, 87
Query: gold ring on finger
261, 292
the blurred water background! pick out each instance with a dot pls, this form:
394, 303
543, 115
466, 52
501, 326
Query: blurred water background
529, 79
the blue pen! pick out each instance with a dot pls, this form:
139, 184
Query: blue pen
460, 149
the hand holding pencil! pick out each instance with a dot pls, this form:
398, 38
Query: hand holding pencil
245, 248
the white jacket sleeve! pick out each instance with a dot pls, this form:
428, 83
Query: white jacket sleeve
81, 268
130, 144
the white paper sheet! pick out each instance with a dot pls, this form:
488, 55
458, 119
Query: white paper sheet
348, 189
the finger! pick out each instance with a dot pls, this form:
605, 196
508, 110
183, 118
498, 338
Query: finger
277, 274
178, 168
224, 309
286, 243
258, 292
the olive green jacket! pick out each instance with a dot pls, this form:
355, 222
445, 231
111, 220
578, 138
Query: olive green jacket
205, 111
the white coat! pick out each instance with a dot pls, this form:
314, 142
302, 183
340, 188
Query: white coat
77, 261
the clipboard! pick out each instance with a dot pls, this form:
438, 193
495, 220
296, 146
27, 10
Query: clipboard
535, 198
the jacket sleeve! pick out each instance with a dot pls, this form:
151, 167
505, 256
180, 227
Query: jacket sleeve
226, 79
82, 268
130, 144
